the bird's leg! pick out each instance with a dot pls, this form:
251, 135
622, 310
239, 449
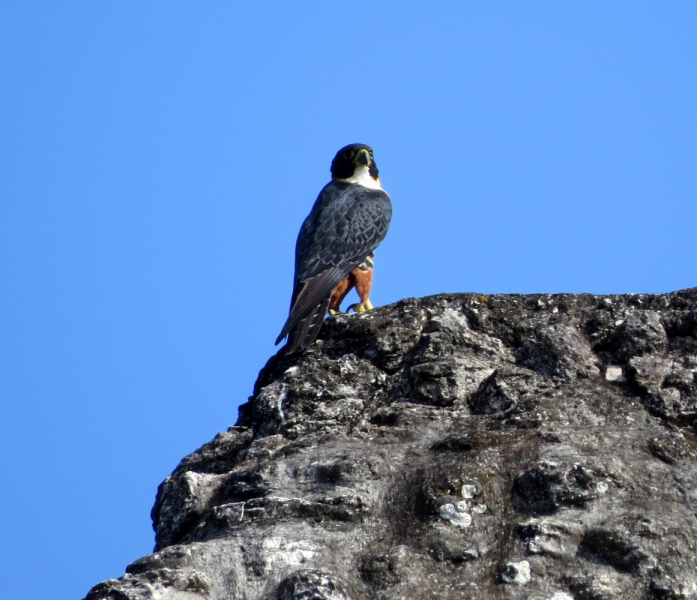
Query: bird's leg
339, 293
364, 282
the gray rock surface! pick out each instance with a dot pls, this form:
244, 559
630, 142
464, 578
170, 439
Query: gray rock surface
458, 446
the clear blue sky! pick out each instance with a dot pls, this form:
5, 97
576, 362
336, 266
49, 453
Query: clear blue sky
157, 159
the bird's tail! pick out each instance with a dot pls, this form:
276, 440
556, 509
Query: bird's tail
311, 300
307, 329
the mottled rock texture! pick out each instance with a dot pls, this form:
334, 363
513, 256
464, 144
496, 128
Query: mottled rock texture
458, 446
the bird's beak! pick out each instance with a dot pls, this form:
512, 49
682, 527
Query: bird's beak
363, 158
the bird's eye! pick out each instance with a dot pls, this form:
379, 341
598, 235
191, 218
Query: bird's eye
348, 154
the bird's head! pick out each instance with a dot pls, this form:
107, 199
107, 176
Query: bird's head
355, 164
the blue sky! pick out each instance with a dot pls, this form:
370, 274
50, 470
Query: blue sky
157, 159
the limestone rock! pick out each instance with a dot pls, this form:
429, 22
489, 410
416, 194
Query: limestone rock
458, 446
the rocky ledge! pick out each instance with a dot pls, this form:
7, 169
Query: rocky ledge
459, 446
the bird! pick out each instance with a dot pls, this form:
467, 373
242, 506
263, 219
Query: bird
335, 248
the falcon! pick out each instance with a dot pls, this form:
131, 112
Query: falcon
335, 248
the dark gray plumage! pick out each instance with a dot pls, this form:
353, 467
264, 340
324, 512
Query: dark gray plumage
347, 222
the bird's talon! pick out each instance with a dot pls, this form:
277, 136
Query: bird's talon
334, 312
357, 307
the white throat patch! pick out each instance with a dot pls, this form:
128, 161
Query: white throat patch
361, 176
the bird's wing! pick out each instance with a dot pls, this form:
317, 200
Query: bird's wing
346, 224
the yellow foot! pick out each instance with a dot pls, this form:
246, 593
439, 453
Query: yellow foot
357, 307
334, 312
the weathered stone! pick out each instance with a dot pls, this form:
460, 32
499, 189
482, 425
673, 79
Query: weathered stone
517, 573
529, 447
641, 333
550, 537
547, 487
311, 585
615, 548
385, 569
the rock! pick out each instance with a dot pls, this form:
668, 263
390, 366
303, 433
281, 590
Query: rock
616, 548
310, 585
517, 573
548, 486
385, 569
562, 596
455, 446
639, 332
456, 513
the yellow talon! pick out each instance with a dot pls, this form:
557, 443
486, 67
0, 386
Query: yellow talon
334, 312
356, 307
